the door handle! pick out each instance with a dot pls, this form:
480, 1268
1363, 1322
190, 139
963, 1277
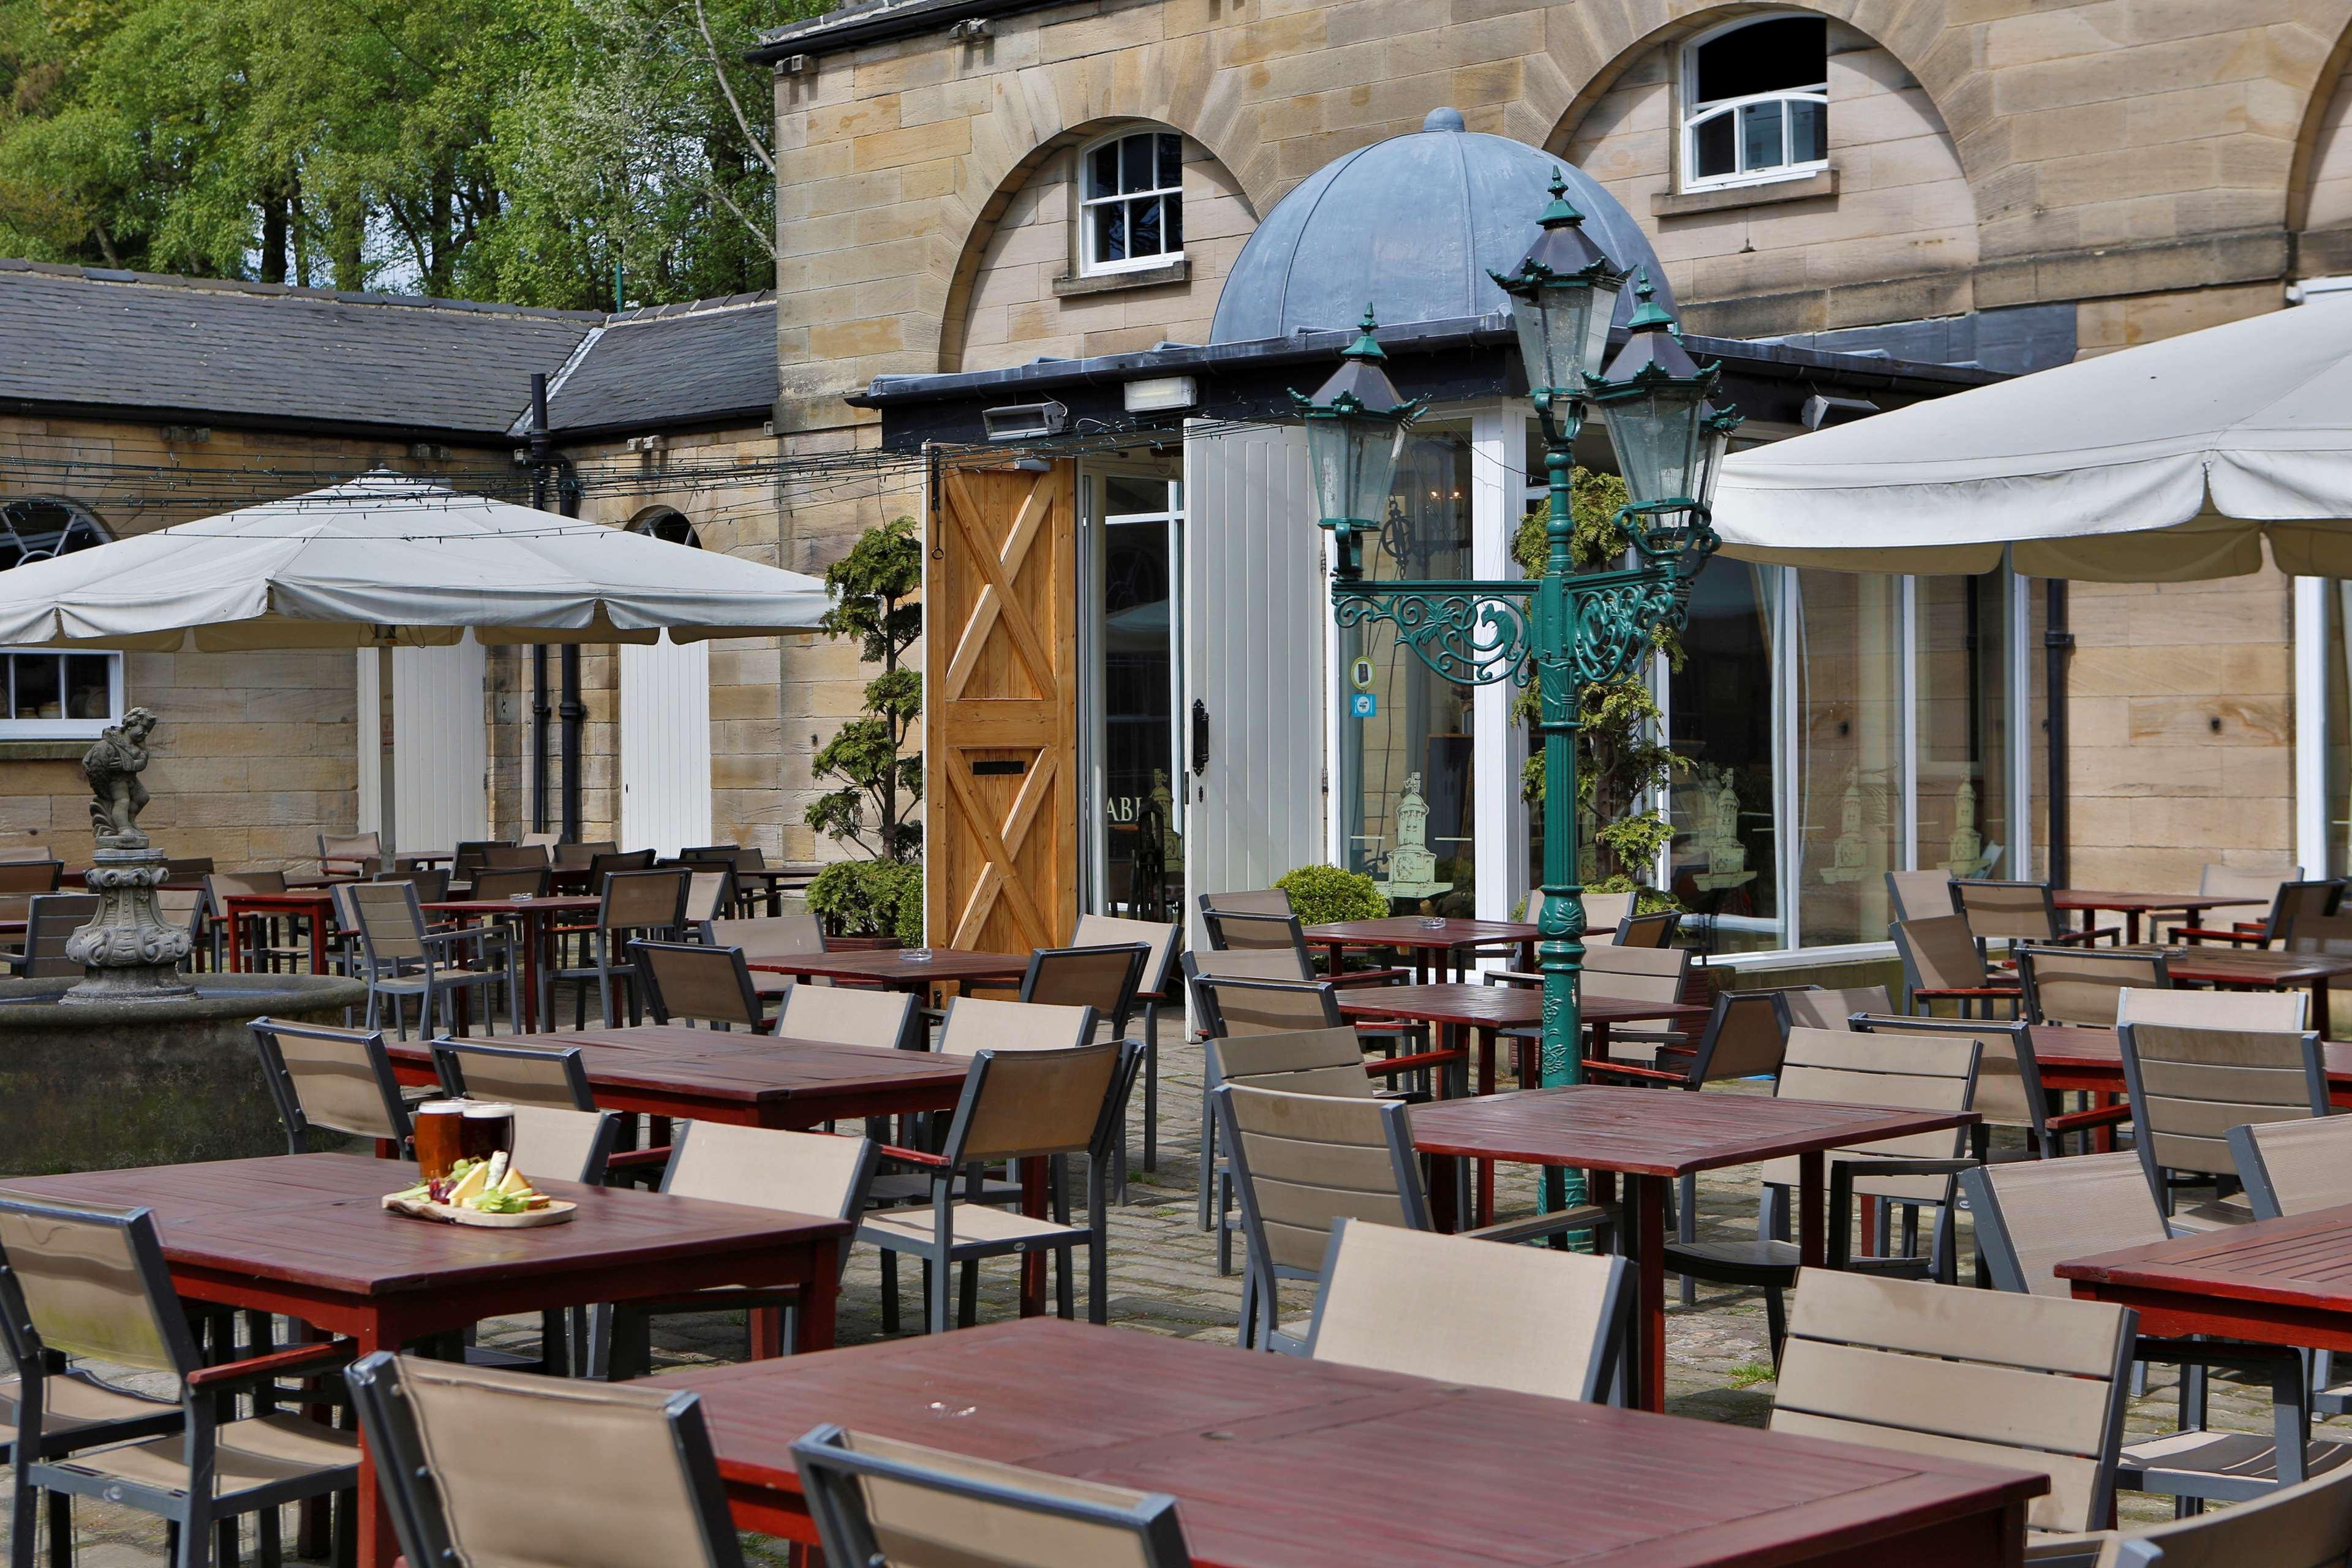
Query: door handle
1200, 737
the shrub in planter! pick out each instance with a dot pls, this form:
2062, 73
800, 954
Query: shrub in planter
1324, 893
869, 898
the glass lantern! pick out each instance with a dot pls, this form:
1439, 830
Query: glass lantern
1563, 298
1356, 424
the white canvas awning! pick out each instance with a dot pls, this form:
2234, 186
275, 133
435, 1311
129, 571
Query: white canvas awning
2168, 462
385, 560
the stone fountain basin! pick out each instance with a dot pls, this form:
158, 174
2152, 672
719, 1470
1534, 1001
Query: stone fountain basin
102, 1086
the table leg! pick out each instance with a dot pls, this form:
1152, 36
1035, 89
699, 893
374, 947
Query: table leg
2319, 1006
317, 942
236, 940
1445, 1193
815, 1329
1487, 1045
1600, 1028
1812, 1227
538, 937
2131, 928
379, 1543
1033, 1264
1649, 1369
1332, 953
2090, 919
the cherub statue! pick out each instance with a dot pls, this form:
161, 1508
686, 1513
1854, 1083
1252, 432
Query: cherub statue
112, 767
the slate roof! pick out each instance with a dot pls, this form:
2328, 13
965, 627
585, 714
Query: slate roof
214, 350
705, 360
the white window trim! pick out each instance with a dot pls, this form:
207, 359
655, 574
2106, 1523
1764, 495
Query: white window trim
14, 729
1689, 114
1088, 266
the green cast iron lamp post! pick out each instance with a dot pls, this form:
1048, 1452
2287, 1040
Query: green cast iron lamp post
1568, 628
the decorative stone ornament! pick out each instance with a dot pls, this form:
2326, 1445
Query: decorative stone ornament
127, 953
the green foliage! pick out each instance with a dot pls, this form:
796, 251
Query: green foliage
869, 898
1324, 893
1620, 755
881, 782
517, 150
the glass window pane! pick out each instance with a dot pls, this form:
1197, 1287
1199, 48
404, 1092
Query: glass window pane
1963, 717
1726, 855
1850, 758
1143, 226
1102, 170
1409, 806
1125, 495
1171, 223
89, 689
1142, 824
1809, 132
37, 692
1714, 147
1172, 161
1110, 231
1759, 137
1135, 164
1765, 57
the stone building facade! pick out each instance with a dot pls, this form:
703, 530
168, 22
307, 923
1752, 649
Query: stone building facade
2075, 176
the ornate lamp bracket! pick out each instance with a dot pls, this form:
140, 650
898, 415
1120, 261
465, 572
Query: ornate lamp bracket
1472, 634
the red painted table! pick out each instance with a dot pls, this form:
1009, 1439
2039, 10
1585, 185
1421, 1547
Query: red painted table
534, 922
895, 968
302, 1235
1653, 1139
1282, 1462
2090, 901
1429, 943
315, 906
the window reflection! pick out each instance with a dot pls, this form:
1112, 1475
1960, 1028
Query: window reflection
1849, 732
1720, 707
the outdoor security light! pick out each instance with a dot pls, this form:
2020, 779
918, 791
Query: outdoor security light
1563, 297
1355, 427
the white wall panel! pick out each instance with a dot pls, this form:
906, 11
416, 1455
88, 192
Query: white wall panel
664, 746
440, 747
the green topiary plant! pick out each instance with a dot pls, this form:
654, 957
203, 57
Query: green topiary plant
874, 588
869, 898
1324, 893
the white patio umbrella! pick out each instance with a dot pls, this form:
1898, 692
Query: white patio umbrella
386, 560
2165, 463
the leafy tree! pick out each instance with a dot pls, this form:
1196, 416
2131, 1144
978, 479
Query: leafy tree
873, 589
1621, 757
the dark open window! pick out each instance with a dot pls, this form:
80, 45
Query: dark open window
1755, 101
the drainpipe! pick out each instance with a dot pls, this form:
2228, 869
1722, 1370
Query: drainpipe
539, 710
2058, 646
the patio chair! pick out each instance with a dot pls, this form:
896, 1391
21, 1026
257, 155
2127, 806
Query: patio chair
91, 1284
471, 856
2189, 1086
1813, 1007
688, 983
349, 855
1104, 977
1605, 914
1456, 1310
2030, 1218
1942, 963
710, 894
1647, 930
2291, 903
1912, 1367
1156, 989
187, 867
2294, 1167
758, 1167
635, 905
848, 1015
877, 1500
1844, 1067
1303, 1161
2306, 1526
265, 952
605, 863
2084, 988
431, 882
2264, 1011
510, 882
41, 876
183, 910
481, 1466
338, 1080
518, 1075
2008, 1086
1016, 1104
513, 857
401, 956
1921, 895
562, 1145
1315, 1060
767, 937
49, 919
573, 856
15, 854
2020, 911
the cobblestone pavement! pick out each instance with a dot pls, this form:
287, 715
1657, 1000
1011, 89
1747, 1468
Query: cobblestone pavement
1164, 1281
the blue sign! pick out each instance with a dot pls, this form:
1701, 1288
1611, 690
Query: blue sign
1362, 704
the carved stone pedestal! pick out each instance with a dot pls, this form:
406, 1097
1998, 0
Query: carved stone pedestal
130, 955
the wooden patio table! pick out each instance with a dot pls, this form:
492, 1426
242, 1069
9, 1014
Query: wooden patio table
1488, 1010
2092, 1059
1430, 945
894, 969
315, 906
778, 880
302, 1235
1282, 1462
535, 922
2090, 901
1652, 1138
737, 1077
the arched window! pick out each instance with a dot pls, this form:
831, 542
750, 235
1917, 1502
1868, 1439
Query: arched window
1755, 102
1130, 201
49, 695
669, 526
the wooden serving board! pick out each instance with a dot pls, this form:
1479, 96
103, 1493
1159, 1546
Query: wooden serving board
555, 1213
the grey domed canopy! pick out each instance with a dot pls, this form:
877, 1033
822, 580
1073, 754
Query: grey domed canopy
1411, 226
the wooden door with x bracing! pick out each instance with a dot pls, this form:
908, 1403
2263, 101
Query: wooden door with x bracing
1001, 709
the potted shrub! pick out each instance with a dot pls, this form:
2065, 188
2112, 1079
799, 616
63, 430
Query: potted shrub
1321, 894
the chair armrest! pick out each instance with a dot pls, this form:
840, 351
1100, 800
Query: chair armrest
1584, 1216
915, 1157
631, 1159
1512, 977
1414, 1063
292, 1361
1642, 1074
2070, 1551
2203, 933
475, 934
2097, 1116
2081, 938
1967, 990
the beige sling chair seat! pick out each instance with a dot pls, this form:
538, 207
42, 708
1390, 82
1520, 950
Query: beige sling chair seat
2306, 1526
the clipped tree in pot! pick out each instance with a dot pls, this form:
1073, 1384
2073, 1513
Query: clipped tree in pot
877, 899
